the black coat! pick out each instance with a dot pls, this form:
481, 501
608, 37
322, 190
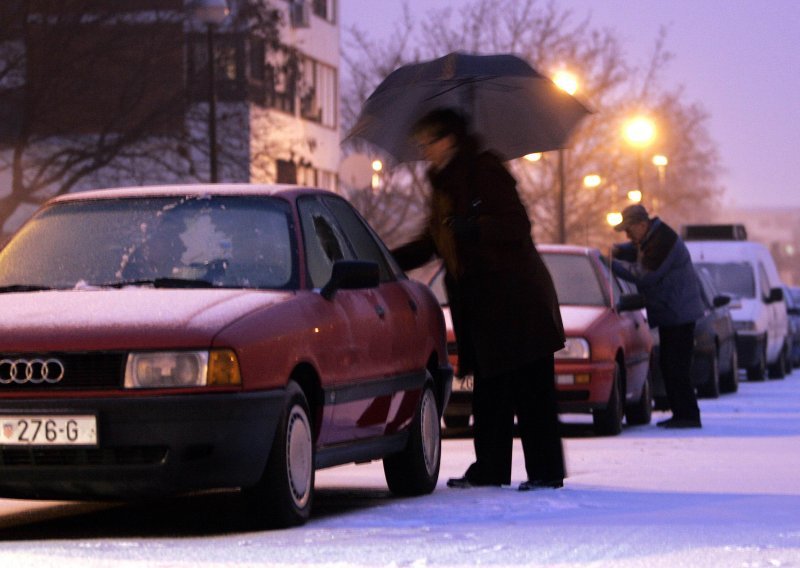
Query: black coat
504, 306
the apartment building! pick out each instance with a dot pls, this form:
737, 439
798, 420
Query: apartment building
122, 88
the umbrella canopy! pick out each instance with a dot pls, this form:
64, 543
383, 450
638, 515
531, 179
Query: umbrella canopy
514, 109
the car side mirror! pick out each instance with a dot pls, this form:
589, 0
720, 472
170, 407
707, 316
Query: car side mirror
720, 301
350, 275
630, 302
775, 295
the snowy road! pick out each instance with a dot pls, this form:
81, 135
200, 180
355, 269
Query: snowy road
728, 495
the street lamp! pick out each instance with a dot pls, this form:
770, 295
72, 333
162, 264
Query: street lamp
660, 162
568, 82
639, 132
211, 13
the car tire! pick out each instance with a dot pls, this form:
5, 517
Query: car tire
415, 470
758, 372
608, 421
642, 411
285, 493
729, 381
710, 388
778, 369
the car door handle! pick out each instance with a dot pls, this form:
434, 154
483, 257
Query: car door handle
380, 311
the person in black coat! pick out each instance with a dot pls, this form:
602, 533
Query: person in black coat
505, 310
660, 265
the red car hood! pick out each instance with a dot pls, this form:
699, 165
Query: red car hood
577, 319
132, 318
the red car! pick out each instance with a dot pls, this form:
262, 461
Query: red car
156, 341
604, 367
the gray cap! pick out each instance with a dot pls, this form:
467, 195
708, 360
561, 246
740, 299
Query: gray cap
631, 215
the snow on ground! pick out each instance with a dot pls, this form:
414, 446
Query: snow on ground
727, 495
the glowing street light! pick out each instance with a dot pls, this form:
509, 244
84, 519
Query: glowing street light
592, 181
635, 196
377, 168
614, 218
566, 81
639, 132
535, 157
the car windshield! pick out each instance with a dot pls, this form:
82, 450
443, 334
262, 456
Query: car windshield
732, 278
575, 280
230, 241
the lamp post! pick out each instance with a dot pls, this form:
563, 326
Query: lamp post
568, 82
660, 162
211, 13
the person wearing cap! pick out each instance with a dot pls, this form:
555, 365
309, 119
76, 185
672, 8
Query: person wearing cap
658, 262
502, 299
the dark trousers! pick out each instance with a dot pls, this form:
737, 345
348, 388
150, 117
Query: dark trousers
675, 360
530, 393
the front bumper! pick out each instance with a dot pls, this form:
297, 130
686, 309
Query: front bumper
580, 387
147, 446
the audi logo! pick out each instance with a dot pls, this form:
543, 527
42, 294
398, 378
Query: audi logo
33, 371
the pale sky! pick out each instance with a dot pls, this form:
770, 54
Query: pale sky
740, 59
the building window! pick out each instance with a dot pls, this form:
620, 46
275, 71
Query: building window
318, 93
325, 9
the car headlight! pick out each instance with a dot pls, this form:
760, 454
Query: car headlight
167, 369
744, 325
574, 348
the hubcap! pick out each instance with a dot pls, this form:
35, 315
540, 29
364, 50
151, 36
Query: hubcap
430, 432
298, 456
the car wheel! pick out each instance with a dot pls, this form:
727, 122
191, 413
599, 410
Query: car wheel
283, 496
710, 388
729, 382
778, 369
415, 470
608, 421
758, 372
642, 411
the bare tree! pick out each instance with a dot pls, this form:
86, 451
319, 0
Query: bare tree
550, 38
96, 90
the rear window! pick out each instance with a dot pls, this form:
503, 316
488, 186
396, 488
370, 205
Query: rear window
575, 280
732, 278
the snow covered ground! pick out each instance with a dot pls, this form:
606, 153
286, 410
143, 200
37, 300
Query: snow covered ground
727, 495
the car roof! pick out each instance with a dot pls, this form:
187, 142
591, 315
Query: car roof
287, 191
566, 249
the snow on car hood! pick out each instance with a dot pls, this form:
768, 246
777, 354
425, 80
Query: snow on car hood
579, 318
142, 318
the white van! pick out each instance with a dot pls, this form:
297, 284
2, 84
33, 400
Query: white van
746, 271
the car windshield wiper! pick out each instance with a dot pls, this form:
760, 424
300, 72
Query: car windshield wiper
23, 288
162, 283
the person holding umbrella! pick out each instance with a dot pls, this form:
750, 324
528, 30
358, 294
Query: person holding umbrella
504, 305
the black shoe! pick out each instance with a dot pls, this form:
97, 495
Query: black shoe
466, 483
534, 484
680, 423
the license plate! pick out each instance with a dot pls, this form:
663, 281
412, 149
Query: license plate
48, 430
463, 385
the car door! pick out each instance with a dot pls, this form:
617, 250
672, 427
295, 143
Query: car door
401, 360
350, 356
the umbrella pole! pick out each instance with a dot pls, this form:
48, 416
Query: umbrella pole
562, 190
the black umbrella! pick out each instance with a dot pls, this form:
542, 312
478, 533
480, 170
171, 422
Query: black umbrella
513, 108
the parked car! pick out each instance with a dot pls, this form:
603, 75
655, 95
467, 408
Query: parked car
746, 271
604, 367
715, 367
157, 341
792, 298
